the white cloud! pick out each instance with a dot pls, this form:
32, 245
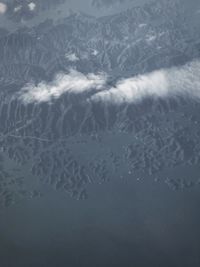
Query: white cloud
134, 89
3, 8
74, 82
32, 6
176, 81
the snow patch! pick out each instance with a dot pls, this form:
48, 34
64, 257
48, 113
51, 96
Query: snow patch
32, 6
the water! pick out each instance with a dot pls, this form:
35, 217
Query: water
124, 223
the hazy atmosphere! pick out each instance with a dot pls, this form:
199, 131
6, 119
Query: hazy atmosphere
99, 133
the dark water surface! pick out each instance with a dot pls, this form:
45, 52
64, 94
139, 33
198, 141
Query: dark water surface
123, 223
